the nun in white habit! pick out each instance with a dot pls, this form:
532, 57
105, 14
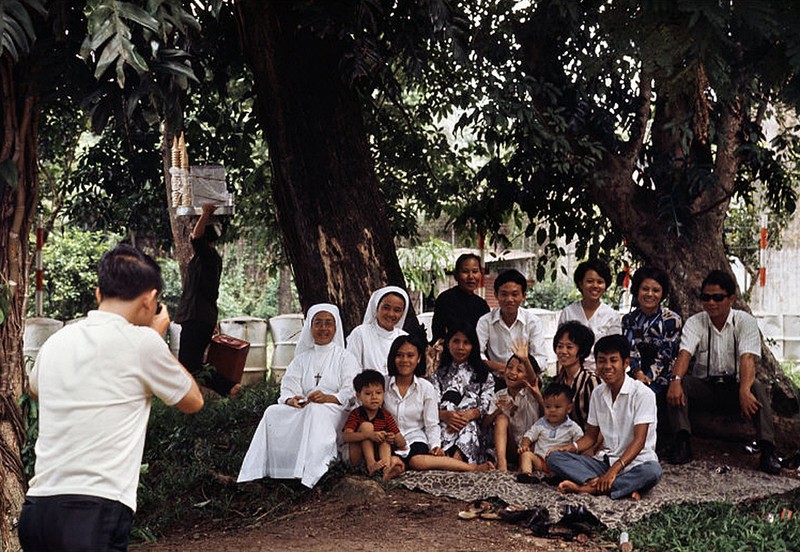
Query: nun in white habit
383, 323
297, 437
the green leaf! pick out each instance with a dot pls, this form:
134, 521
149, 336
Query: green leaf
134, 13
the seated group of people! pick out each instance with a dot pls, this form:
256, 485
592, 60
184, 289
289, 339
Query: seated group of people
474, 399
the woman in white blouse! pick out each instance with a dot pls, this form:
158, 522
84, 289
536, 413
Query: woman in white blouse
592, 278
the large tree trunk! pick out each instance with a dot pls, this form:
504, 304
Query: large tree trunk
329, 208
17, 204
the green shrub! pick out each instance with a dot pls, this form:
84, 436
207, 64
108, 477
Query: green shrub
552, 295
70, 261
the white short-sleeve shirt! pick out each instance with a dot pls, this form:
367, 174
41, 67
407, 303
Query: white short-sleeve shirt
95, 380
635, 404
718, 352
545, 436
496, 338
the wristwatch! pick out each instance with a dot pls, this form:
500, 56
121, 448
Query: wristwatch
674, 378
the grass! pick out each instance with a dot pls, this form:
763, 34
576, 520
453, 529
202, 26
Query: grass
718, 527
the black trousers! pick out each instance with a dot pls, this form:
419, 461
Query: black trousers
195, 337
703, 394
74, 523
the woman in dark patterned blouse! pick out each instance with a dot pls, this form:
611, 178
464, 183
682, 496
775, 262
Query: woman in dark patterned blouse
573, 343
653, 331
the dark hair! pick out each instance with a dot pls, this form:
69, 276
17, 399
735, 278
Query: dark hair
580, 335
479, 369
368, 377
125, 273
653, 273
464, 258
598, 265
212, 233
510, 275
534, 364
391, 293
615, 343
556, 389
722, 279
419, 371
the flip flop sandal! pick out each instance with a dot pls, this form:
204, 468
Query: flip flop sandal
491, 515
475, 509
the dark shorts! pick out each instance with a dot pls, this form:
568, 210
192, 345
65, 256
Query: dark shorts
74, 523
414, 449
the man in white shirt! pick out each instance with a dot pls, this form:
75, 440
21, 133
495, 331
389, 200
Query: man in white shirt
724, 344
623, 410
502, 327
95, 380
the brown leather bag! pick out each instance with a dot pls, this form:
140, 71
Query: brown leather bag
228, 355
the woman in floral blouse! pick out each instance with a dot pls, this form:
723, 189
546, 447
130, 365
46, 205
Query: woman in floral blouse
653, 331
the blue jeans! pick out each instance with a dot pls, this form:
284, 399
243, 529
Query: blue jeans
74, 523
579, 469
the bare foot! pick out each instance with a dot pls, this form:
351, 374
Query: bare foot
375, 466
486, 466
502, 465
235, 391
394, 470
567, 487
636, 496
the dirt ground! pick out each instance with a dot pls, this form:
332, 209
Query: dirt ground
359, 514
398, 520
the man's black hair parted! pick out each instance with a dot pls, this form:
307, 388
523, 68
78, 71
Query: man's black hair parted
653, 273
615, 343
510, 275
720, 278
368, 377
126, 272
556, 389
580, 335
391, 364
598, 265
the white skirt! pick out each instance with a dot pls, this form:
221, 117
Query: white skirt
294, 443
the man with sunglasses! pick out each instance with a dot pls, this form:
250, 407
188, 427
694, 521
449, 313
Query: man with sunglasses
723, 344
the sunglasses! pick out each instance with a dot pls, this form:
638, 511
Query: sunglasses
716, 297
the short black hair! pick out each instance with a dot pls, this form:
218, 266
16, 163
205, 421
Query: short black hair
556, 389
391, 366
598, 265
722, 279
580, 335
615, 343
464, 258
126, 272
653, 273
368, 377
510, 275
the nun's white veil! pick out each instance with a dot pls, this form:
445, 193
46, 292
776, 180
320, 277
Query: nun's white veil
306, 341
371, 315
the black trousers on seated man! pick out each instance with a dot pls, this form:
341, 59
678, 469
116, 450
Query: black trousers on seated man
708, 395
